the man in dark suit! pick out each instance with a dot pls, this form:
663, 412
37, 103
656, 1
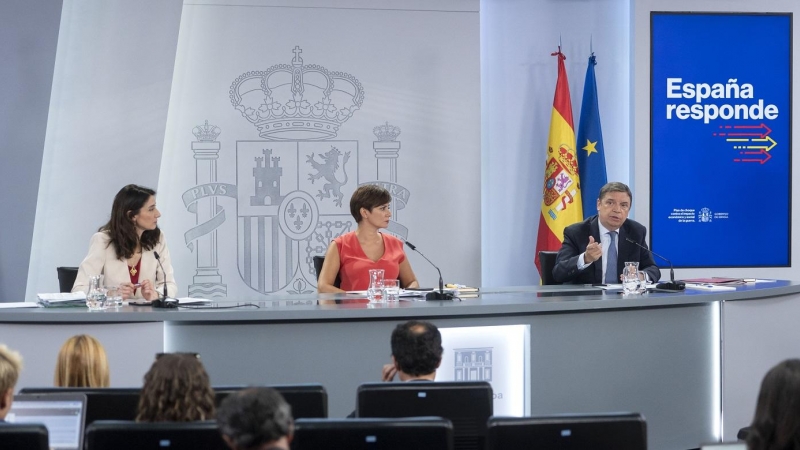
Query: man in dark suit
589, 245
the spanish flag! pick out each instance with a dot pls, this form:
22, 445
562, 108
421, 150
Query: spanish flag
561, 196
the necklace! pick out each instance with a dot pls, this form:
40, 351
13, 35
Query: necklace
133, 271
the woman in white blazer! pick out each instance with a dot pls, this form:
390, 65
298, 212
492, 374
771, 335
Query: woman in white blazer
124, 250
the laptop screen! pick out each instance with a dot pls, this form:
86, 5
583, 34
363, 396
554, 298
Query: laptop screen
62, 414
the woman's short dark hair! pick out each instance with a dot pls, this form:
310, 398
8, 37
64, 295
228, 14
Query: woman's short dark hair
368, 196
417, 347
176, 389
120, 227
776, 424
253, 417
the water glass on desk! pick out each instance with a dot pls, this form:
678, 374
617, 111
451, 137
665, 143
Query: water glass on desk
391, 290
113, 296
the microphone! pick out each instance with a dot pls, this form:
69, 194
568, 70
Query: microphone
670, 285
441, 295
158, 258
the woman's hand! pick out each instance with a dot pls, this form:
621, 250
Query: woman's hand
148, 291
126, 290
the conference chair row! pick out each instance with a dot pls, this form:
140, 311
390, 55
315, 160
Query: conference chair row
458, 415
563, 432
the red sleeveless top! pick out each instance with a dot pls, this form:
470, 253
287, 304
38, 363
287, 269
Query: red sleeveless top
354, 265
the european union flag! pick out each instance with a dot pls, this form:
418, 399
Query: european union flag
591, 157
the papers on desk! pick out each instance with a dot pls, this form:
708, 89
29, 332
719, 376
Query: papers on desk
403, 293
62, 299
189, 301
709, 287
10, 305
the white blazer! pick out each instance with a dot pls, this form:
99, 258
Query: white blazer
102, 260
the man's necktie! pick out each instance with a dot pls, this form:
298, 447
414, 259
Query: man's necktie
611, 264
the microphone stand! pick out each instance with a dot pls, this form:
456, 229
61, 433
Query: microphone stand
163, 302
670, 285
433, 295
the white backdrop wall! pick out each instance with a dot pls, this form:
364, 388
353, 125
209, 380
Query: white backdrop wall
390, 64
105, 129
518, 78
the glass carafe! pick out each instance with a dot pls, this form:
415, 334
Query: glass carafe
375, 290
96, 295
631, 278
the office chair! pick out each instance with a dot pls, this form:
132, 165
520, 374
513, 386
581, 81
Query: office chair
548, 261
419, 433
308, 401
66, 278
614, 431
101, 403
123, 435
467, 404
318, 261
24, 436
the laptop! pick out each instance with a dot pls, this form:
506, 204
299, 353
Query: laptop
725, 446
62, 414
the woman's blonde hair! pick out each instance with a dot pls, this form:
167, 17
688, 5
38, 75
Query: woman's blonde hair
176, 389
82, 362
10, 366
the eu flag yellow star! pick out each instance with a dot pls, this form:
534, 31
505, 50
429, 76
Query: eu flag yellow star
590, 148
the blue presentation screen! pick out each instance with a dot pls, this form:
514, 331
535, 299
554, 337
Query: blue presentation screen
720, 139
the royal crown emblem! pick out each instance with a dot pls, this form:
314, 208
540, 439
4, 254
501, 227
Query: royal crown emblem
296, 101
386, 133
206, 133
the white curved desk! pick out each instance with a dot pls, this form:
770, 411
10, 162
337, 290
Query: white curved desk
680, 359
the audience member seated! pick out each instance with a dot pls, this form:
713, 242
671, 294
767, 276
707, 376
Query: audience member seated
416, 352
10, 366
256, 419
353, 254
176, 389
776, 424
82, 362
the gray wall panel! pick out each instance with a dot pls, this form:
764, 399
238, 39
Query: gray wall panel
28, 40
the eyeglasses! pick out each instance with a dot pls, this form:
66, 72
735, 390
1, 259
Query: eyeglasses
611, 204
196, 355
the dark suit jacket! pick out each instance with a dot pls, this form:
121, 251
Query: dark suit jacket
576, 238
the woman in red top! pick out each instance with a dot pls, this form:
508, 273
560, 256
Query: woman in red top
352, 255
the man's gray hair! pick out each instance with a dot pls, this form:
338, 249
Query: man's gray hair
615, 186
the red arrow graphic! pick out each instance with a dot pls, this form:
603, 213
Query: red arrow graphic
746, 127
758, 160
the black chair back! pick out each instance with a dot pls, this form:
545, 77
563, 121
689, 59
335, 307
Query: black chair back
419, 433
101, 403
66, 278
467, 404
23, 436
547, 260
121, 435
617, 431
308, 401
318, 262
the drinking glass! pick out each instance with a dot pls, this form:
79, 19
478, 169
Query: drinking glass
113, 296
391, 290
